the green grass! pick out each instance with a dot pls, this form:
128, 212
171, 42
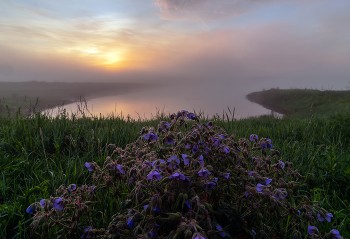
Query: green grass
40, 153
303, 103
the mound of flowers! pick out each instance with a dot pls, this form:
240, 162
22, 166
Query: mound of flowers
187, 182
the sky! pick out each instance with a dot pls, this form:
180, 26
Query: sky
250, 44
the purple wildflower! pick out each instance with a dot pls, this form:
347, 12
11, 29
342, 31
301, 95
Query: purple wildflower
130, 222
282, 164
121, 169
169, 139
227, 175
174, 158
145, 207
221, 136
263, 145
259, 187
246, 193
156, 209
150, 137
198, 236
210, 124
298, 212
188, 145
268, 181
215, 180
209, 185
200, 160
253, 137
154, 175
87, 232
320, 218
251, 173
201, 143
153, 234
186, 159
31, 209
191, 116
216, 142
254, 232
187, 180
90, 166
335, 234
164, 125
42, 203
207, 149
226, 150
183, 112
269, 146
72, 187
194, 149
279, 195
204, 173
58, 204
222, 234
328, 217
312, 230
178, 176
188, 204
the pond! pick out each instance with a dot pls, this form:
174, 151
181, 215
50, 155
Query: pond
148, 102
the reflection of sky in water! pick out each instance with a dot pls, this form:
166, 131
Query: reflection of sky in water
170, 100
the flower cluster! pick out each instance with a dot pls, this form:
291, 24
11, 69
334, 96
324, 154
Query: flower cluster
196, 183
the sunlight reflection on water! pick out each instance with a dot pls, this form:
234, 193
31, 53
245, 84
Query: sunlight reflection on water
147, 103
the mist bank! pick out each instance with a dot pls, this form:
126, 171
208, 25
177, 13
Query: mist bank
302, 102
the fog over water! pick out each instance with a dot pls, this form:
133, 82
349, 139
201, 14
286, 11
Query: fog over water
170, 99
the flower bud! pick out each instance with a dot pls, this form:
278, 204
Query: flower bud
296, 234
185, 196
182, 228
210, 168
188, 234
179, 197
45, 226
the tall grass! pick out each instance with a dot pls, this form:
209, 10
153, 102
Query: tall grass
39, 153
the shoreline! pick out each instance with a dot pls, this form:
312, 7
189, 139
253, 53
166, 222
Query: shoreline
32, 96
255, 98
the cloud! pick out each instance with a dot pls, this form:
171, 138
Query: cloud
210, 10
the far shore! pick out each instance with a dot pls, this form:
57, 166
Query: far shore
254, 97
303, 103
36, 96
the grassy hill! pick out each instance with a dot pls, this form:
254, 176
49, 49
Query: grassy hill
39, 153
302, 103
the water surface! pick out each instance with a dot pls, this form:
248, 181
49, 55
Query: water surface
170, 99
